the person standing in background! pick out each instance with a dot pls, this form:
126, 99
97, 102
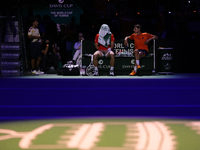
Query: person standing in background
35, 47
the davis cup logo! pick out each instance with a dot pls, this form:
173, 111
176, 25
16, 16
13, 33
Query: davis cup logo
61, 1
133, 61
167, 57
100, 62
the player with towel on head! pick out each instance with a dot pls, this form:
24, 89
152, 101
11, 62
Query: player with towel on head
104, 43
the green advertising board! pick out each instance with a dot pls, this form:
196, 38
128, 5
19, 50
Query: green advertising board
60, 11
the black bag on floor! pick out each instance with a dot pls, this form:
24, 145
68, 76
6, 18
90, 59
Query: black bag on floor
71, 70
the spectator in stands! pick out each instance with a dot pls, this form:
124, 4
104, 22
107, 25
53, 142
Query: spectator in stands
141, 41
77, 47
49, 55
35, 49
104, 43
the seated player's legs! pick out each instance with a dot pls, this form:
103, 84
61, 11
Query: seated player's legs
111, 55
96, 55
142, 53
139, 53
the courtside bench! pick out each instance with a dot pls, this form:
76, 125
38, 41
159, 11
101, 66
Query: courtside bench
124, 62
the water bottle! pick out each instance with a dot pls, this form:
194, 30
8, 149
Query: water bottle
83, 70
153, 72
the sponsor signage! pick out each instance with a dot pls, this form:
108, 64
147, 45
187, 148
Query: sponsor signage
121, 51
10, 72
10, 46
166, 57
128, 64
60, 11
10, 55
10, 64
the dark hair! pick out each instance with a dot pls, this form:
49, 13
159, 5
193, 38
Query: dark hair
34, 19
138, 26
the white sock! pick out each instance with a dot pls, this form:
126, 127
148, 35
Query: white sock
135, 69
111, 68
95, 68
138, 62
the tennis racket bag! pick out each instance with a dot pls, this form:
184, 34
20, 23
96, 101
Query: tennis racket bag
71, 70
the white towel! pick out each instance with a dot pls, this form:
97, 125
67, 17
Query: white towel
104, 35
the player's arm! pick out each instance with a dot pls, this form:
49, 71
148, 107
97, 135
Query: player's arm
33, 37
112, 44
46, 49
54, 49
126, 40
147, 41
96, 46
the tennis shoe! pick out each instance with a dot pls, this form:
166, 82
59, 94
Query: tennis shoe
138, 67
40, 72
96, 73
112, 73
34, 72
133, 73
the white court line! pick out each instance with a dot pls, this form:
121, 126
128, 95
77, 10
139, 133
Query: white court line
143, 135
91, 137
168, 139
150, 134
154, 138
25, 142
11, 134
194, 125
77, 137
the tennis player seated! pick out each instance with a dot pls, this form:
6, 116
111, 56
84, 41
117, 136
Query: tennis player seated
104, 43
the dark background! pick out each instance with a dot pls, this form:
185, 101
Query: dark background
179, 19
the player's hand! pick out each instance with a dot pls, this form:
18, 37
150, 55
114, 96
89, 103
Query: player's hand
146, 42
109, 49
125, 43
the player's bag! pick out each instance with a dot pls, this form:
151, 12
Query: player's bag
70, 70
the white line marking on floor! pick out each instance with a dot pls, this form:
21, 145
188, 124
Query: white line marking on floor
74, 141
92, 136
167, 139
11, 134
154, 139
25, 142
142, 136
195, 125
